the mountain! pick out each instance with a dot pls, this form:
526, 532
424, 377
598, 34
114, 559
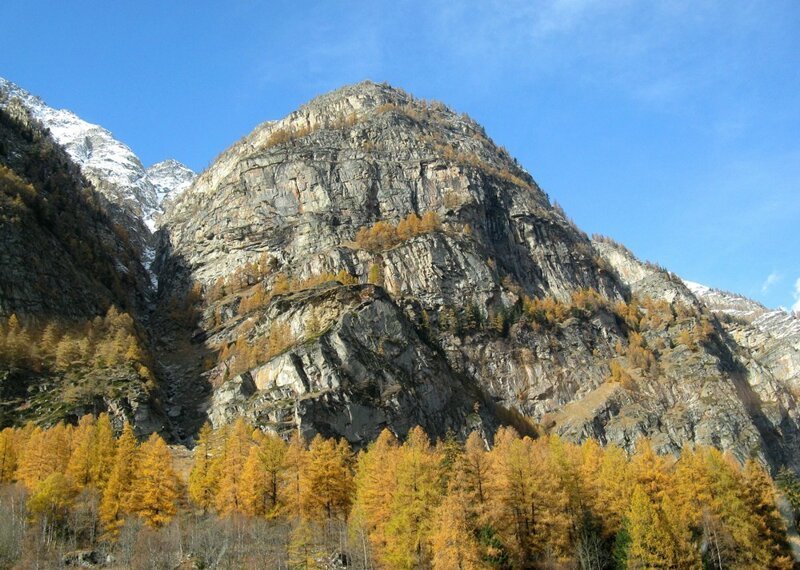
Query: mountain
376, 261
373, 260
72, 290
111, 166
169, 179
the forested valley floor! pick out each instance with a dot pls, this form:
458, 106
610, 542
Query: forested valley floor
85, 495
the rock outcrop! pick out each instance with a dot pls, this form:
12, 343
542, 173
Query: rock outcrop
375, 261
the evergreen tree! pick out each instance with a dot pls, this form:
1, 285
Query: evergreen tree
8, 455
294, 462
327, 480
417, 494
375, 485
237, 447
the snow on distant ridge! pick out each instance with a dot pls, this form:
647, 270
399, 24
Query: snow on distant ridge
777, 322
110, 165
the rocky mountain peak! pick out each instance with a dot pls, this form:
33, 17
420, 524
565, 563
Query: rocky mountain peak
111, 166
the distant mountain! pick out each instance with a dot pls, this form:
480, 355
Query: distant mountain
73, 293
110, 165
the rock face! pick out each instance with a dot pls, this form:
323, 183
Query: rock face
756, 358
374, 261
770, 337
308, 321
296, 191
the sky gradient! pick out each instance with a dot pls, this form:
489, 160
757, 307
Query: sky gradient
673, 127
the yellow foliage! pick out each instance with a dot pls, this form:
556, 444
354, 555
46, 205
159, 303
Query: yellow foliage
156, 487
384, 235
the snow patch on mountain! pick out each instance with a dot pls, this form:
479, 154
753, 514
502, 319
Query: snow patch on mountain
778, 323
110, 165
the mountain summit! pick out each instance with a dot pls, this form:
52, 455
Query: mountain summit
373, 260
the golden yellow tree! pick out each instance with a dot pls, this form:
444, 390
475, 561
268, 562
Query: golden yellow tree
512, 509
116, 502
453, 539
294, 462
375, 484
659, 538
475, 469
327, 480
52, 499
8, 455
759, 494
156, 487
260, 484
103, 451
202, 484
253, 486
79, 468
237, 447
416, 497
45, 452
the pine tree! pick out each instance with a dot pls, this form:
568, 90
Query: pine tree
759, 494
650, 471
417, 495
80, 462
294, 462
475, 468
659, 539
156, 487
375, 484
253, 488
103, 452
453, 541
52, 499
327, 480
8, 455
512, 506
45, 452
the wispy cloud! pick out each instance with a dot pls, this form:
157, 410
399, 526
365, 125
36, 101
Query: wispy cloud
771, 280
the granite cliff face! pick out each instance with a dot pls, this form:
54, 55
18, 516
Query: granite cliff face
292, 196
374, 260
755, 372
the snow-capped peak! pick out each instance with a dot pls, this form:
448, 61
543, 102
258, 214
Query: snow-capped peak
110, 165
170, 178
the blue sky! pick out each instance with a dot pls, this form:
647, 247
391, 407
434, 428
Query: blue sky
672, 126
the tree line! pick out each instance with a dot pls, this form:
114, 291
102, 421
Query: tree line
519, 503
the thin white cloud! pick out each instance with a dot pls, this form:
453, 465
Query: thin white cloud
771, 280
796, 306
